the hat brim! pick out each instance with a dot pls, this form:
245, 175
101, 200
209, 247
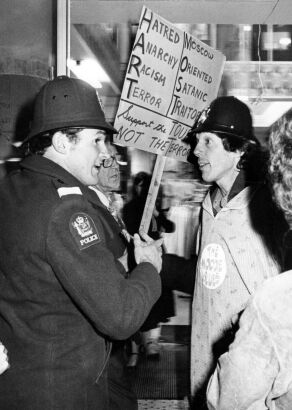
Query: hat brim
219, 129
102, 125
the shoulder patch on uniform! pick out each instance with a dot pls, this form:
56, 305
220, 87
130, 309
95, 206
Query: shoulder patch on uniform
74, 190
83, 230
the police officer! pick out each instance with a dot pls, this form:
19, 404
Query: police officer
63, 292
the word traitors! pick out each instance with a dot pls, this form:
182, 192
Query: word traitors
184, 111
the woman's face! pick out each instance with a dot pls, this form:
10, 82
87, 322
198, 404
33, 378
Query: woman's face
215, 163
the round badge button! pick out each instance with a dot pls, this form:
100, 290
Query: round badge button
213, 266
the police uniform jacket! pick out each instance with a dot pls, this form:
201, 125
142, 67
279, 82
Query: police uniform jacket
63, 295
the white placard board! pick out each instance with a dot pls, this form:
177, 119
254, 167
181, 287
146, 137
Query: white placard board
171, 77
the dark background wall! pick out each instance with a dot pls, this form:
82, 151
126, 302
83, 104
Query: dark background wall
27, 60
27, 36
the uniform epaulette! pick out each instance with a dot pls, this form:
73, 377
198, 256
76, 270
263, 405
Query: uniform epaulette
74, 190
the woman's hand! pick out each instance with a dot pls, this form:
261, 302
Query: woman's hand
148, 250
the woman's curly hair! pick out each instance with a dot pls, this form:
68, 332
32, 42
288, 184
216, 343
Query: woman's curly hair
254, 158
280, 163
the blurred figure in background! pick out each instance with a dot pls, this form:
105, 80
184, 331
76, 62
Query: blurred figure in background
109, 182
240, 233
164, 307
121, 394
256, 371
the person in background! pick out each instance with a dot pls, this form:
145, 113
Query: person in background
256, 371
240, 235
121, 394
164, 307
109, 181
63, 293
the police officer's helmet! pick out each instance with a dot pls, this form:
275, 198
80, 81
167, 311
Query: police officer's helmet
67, 102
226, 115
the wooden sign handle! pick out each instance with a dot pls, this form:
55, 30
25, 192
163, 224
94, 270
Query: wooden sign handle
152, 193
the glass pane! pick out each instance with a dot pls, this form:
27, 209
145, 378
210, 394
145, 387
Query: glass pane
257, 69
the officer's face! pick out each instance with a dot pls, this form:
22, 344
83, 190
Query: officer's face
215, 163
85, 155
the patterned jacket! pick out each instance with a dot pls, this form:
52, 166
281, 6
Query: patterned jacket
235, 257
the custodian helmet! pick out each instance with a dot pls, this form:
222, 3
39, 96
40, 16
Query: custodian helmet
67, 102
225, 115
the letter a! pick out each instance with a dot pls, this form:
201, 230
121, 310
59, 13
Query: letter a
140, 43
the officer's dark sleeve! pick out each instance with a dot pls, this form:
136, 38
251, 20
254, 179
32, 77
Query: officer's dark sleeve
87, 270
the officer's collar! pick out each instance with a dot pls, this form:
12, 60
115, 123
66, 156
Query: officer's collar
43, 165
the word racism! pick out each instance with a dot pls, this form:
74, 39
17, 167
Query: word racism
136, 63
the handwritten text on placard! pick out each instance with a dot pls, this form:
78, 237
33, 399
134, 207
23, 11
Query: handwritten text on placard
171, 77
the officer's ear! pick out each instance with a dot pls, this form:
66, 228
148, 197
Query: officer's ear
60, 142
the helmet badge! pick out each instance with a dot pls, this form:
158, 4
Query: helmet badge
202, 118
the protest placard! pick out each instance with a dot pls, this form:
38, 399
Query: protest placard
171, 77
